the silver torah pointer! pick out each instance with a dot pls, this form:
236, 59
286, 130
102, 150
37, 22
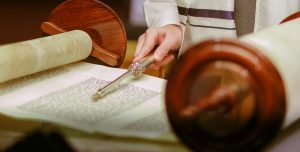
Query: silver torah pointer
135, 69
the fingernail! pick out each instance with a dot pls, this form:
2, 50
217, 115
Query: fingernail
136, 58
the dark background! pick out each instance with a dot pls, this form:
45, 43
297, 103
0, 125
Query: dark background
20, 19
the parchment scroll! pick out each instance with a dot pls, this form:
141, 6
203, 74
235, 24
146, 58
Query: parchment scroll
28, 57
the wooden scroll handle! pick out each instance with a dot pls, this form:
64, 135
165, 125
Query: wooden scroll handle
227, 95
291, 17
97, 19
219, 99
222, 98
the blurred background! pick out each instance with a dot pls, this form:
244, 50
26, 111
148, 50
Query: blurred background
20, 20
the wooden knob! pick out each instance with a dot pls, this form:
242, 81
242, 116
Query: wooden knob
235, 95
224, 95
97, 19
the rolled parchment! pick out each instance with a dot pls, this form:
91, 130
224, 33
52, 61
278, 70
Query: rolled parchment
28, 57
236, 95
281, 44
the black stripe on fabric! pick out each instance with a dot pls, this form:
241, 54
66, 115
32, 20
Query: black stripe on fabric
204, 26
208, 13
182, 10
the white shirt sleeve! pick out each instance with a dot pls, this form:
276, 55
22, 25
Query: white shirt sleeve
161, 12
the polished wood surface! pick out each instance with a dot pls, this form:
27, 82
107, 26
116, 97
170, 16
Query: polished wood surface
98, 20
291, 17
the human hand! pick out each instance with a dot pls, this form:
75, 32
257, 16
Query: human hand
166, 38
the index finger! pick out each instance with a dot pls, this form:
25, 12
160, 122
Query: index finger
150, 40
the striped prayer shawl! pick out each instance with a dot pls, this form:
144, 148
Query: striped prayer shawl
205, 19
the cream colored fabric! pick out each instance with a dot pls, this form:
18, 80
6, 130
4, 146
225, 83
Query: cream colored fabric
197, 29
267, 13
24, 58
272, 12
160, 12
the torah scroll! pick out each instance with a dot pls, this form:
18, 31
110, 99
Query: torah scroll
244, 91
28, 57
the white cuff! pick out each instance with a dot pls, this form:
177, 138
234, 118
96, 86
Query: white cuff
160, 13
